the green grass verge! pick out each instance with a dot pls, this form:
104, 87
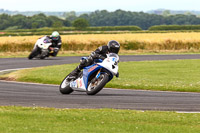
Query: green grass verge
172, 75
43, 120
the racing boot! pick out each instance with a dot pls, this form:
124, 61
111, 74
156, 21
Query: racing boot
74, 74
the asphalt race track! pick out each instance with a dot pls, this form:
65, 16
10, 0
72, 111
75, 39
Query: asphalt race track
26, 94
13, 63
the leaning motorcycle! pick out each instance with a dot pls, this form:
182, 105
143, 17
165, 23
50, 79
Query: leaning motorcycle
41, 48
93, 78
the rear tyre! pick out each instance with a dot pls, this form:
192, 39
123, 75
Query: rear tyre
34, 53
65, 86
94, 88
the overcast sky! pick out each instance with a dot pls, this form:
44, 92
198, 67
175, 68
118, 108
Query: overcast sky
92, 5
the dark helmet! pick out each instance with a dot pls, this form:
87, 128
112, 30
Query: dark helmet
113, 46
55, 36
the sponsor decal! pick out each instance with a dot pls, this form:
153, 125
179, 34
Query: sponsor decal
92, 68
73, 84
79, 83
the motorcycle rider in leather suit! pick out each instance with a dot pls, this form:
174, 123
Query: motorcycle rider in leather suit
56, 43
100, 53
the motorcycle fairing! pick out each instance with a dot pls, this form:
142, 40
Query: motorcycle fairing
88, 71
78, 84
81, 83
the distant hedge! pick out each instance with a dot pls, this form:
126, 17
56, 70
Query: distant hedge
102, 28
174, 27
114, 28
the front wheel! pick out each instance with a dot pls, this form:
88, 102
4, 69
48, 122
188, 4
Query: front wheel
34, 53
65, 86
95, 86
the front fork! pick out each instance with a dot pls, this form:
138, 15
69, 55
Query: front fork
97, 76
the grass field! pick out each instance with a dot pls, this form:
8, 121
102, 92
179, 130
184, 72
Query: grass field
40, 120
174, 75
153, 42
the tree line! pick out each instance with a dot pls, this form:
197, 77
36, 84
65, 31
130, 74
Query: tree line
141, 19
96, 18
33, 22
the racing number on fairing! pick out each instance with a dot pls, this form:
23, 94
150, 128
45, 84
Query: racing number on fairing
114, 59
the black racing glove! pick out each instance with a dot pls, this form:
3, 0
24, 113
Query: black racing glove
94, 55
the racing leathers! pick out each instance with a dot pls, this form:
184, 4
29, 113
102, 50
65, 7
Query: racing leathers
99, 53
55, 47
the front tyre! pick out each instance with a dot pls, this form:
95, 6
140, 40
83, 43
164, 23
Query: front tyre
65, 87
34, 53
95, 86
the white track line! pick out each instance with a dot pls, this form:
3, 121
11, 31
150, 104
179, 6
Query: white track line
12, 69
156, 91
29, 83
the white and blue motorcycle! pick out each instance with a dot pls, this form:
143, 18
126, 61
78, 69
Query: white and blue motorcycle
93, 78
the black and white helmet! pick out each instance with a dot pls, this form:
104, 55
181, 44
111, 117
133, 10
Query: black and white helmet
113, 46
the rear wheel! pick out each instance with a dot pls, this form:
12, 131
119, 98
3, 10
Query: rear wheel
65, 87
34, 53
95, 86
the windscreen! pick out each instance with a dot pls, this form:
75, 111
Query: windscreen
114, 55
47, 40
